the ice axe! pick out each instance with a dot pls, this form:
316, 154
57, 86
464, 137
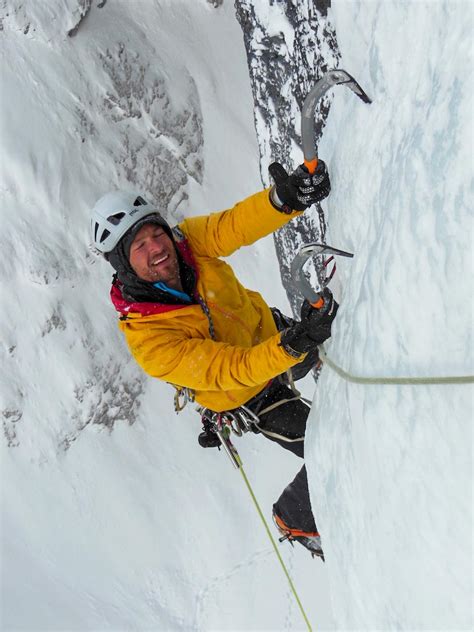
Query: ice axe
327, 81
299, 279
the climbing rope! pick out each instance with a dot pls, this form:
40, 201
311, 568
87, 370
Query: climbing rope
272, 540
358, 379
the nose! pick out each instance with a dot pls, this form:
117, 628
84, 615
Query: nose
156, 245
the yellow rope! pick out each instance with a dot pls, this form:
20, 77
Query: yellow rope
265, 524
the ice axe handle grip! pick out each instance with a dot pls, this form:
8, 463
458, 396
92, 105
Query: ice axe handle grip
319, 303
311, 165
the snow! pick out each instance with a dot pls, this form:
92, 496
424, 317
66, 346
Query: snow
113, 517
391, 466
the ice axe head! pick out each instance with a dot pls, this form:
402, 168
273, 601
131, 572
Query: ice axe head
327, 81
301, 282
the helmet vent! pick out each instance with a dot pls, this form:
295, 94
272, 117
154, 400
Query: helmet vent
140, 202
116, 218
104, 235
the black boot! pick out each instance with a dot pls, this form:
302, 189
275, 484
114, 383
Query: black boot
310, 540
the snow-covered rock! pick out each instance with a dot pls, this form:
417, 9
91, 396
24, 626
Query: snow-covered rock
289, 46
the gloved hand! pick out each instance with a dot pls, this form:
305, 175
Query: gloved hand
314, 328
298, 191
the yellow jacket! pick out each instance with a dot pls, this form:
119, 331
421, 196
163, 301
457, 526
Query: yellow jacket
175, 344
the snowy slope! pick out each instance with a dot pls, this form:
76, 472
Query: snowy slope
112, 516
391, 466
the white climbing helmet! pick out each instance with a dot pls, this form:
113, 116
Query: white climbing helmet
113, 216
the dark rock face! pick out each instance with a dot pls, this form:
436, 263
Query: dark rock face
290, 44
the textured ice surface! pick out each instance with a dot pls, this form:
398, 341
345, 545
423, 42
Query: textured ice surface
391, 466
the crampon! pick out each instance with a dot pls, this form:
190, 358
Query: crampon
310, 540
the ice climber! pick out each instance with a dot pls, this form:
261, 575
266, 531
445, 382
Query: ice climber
188, 321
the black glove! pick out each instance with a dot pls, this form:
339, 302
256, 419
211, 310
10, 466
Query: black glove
314, 328
298, 191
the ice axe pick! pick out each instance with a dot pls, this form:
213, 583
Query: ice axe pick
327, 81
299, 279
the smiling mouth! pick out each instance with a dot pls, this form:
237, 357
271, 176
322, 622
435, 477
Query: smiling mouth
159, 261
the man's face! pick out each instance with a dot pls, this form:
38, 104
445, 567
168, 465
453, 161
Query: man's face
153, 256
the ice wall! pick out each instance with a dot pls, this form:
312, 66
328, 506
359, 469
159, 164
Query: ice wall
390, 466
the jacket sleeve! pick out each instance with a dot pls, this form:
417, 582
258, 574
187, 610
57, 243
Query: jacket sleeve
204, 364
220, 234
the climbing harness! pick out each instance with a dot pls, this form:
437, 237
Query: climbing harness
280, 402
243, 419
226, 423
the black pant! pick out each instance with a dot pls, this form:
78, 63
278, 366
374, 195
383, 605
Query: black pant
289, 422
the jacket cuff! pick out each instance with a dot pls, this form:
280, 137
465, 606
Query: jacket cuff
297, 355
277, 203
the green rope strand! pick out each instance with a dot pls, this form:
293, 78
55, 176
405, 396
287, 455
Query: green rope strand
265, 524
358, 379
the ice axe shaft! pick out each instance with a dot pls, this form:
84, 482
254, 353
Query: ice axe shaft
297, 274
327, 81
